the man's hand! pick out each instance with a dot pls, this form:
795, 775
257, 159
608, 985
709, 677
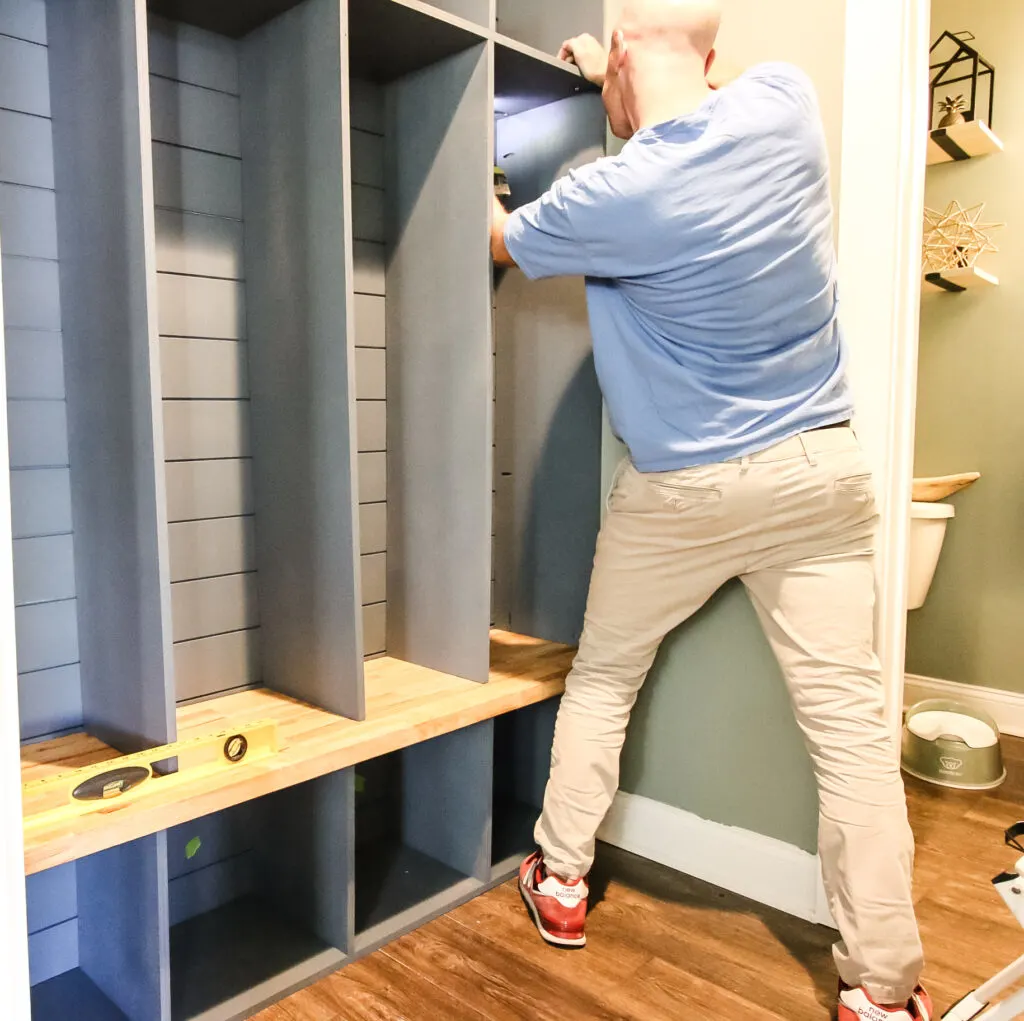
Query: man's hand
499, 253
588, 55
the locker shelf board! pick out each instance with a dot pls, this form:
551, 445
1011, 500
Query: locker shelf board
233, 18
406, 705
417, 35
525, 78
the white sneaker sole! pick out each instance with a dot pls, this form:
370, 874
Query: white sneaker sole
556, 941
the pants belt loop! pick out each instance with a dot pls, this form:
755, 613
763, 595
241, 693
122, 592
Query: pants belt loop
811, 459
744, 464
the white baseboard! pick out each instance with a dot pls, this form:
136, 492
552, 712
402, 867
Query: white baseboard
760, 868
1005, 707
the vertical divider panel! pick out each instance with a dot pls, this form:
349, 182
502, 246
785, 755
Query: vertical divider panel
99, 78
123, 935
439, 371
308, 862
14, 968
446, 808
299, 268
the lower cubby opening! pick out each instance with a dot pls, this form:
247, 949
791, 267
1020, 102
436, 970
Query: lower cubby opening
72, 995
522, 759
422, 832
95, 936
258, 899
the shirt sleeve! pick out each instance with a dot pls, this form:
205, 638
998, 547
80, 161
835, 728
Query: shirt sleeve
784, 78
570, 230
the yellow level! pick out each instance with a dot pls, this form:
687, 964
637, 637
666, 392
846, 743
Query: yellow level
89, 788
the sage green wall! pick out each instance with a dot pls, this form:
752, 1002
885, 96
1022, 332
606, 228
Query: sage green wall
712, 732
971, 394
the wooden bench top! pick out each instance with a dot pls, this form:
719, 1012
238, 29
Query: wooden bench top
406, 704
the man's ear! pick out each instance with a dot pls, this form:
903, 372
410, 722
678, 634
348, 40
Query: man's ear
617, 51
710, 61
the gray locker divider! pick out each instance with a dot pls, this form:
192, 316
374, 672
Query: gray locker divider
100, 100
439, 366
299, 268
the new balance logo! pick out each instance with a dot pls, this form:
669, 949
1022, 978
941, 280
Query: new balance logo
568, 896
872, 1013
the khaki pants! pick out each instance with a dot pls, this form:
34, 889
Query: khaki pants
796, 523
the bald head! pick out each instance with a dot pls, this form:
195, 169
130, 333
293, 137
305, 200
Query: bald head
671, 27
660, 55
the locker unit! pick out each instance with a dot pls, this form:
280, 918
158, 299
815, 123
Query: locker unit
282, 444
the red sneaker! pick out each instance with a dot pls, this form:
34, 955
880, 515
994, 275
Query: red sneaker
558, 908
857, 1005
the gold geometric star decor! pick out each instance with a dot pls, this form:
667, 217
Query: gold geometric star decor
956, 238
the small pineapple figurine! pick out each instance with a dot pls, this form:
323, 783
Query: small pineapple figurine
952, 108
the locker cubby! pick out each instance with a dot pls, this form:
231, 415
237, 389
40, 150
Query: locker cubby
262, 905
97, 927
545, 26
522, 761
548, 402
420, 194
422, 825
252, 314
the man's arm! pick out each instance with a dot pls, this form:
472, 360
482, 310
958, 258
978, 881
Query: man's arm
499, 253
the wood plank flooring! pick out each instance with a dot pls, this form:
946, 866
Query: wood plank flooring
663, 947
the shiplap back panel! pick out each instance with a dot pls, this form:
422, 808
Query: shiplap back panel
44, 575
368, 222
49, 685
195, 100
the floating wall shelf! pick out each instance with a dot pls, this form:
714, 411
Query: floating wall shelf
962, 142
957, 280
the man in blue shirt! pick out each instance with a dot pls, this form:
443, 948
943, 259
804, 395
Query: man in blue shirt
708, 251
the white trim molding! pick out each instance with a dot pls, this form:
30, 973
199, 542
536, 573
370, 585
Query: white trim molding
885, 137
754, 866
14, 980
1005, 707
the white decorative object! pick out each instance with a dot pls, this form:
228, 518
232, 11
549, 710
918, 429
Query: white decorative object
956, 238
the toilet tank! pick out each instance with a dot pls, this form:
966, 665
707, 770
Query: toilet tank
928, 523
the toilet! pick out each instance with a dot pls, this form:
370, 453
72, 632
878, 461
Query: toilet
927, 533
